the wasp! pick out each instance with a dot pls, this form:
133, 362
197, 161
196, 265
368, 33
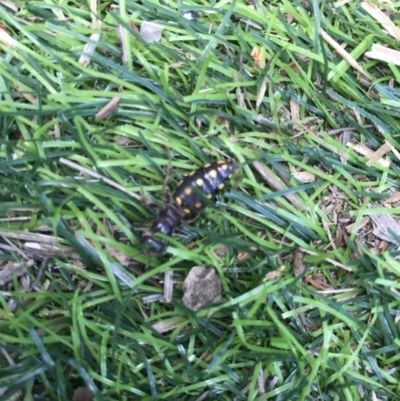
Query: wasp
189, 198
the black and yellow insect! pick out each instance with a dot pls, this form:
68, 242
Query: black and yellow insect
188, 199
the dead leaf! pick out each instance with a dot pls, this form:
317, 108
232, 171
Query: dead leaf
304, 176
316, 284
30, 98
108, 109
162, 327
383, 246
298, 263
363, 222
151, 32
14, 269
394, 198
202, 286
385, 226
221, 250
275, 274
311, 327
123, 141
120, 256
133, 26
242, 256
259, 57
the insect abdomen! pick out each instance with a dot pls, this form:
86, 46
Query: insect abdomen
203, 183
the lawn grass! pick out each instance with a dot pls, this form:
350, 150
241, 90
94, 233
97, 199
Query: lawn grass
310, 286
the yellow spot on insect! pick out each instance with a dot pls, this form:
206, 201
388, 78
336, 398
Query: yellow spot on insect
224, 167
209, 196
199, 182
186, 211
188, 191
178, 201
230, 176
198, 205
213, 173
207, 165
221, 162
180, 182
220, 186
193, 172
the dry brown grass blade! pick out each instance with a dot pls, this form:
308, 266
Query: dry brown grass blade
91, 173
342, 52
378, 15
367, 152
6, 38
108, 109
16, 269
393, 149
382, 53
276, 184
378, 154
